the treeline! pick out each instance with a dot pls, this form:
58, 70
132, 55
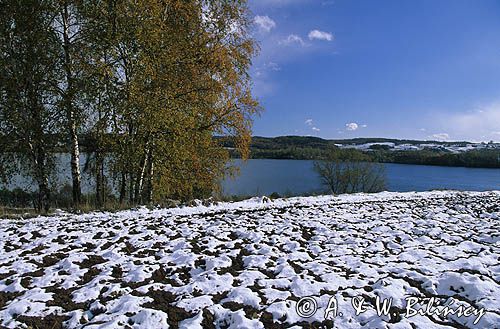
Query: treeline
161, 77
314, 148
482, 158
281, 142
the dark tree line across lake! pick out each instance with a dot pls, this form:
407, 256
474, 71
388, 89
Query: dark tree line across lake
313, 148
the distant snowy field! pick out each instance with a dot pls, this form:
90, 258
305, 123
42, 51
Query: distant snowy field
248, 264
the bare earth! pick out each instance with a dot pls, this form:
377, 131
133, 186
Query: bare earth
247, 264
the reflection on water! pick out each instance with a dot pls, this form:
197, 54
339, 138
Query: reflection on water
295, 177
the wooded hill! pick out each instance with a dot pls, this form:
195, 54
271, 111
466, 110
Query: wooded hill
309, 148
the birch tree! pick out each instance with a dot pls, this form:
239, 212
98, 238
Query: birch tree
28, 96
70, 24
192, 83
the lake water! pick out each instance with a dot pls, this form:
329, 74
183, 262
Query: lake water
295, 177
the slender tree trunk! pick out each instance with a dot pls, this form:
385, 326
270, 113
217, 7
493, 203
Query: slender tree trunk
99, 160
99, 184
104, 184
140, 179
70, 110
123, 184
41, 176
43, 191
139, 186
149, 196
131, 188
36, 145
75, 166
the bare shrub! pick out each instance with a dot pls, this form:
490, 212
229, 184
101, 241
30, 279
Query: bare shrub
350, 171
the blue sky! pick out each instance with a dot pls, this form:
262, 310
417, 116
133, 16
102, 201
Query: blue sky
426, 69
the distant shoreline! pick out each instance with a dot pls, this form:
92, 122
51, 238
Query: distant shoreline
383, 150
400, 163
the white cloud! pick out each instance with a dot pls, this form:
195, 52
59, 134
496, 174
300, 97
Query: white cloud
441, 136
265, 23
351, 126
310, 123
479, 124
293, 39
273, 66
320, 35
263, 83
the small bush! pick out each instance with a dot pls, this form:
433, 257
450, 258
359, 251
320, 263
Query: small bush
274, 195
350, 172
17, 198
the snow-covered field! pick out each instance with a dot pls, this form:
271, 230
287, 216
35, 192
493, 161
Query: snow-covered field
252, 264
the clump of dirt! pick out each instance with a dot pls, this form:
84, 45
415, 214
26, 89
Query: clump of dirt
35, 250
161, 275
36, 235
35, 274
233, 236
307, 233
53, 259
62, 298
59, 239
134, 231
88, 246
237, 265
51, 321
162, 300
158, 245
107, 245
218, 297
129, 248
146, 252
208, 321
268, 272
6, 264
200, 262
4, 276
176, 315
117, 272
6, 297
9, 246
268, 321
250, 312
89, 275
25, 282
315, 324
296, 267
90, 261
184, 274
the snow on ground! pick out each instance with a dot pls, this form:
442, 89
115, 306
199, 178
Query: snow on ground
253, 264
